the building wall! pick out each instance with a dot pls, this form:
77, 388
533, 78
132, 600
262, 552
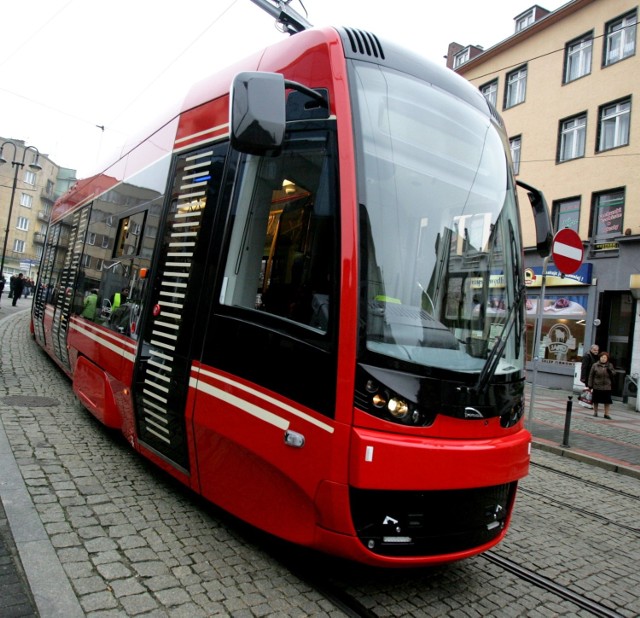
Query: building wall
548, 101
43, 194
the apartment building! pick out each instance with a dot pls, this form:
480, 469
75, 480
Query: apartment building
38, 183
566, 84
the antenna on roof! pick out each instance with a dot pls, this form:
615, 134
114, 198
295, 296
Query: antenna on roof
287, 19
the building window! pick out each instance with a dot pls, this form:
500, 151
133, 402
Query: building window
490, 92
460, 58
620, 42
515, 144
18, 246
613, 127
29, 177
26, 200
516, 87
91, 238
524, 20
86, 261
577, 58
23, 224
105, 241
573, 133
608, 213
566, 213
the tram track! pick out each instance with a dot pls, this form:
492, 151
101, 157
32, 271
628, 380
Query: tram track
577, 509
584, 481
593, 607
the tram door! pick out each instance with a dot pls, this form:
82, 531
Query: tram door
169, 333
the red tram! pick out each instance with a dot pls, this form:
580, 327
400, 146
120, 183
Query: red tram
309, 301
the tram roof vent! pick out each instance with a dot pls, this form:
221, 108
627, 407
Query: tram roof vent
364, 43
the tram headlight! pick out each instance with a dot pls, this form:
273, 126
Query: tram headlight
398, 408
379, 400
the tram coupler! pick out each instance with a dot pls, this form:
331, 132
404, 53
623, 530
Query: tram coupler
567, 422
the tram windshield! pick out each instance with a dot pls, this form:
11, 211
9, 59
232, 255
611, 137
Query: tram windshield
440, 236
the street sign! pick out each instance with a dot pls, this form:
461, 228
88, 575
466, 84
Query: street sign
567, 251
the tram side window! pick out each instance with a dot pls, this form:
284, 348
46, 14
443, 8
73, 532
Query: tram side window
282, 249
116, 264
57, 243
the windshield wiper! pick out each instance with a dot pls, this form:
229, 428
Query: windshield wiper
493, 359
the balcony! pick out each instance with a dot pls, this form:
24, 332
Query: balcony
39, 238
43, 215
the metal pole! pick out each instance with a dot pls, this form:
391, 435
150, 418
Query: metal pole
536, 340
567, 422
17, 166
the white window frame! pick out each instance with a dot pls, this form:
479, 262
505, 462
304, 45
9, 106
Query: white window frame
614, 120
18, 245
26, 200
460, 58
573, 137
620, 38
490, 92
525, 20
516, 87
515, 146
29, 177
22, 224
91, 238
578, 58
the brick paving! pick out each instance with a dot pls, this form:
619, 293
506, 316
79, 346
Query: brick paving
91, 528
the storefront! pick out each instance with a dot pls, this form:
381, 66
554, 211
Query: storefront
593, 305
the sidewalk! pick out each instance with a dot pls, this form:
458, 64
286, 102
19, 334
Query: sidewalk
33, 580
613, 444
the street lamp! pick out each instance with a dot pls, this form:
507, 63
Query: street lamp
35, 166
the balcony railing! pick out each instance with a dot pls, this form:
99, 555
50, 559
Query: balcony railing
39, 238
43, 215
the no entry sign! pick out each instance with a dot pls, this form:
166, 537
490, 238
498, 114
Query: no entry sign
567, 251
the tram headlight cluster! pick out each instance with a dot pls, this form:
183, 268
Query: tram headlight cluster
391, 406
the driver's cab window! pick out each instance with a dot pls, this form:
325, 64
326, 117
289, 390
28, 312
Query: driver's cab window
282, 252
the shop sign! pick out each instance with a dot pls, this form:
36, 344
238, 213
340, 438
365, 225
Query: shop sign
606, 246
533, 276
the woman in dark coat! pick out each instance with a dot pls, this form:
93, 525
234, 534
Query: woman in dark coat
601, 382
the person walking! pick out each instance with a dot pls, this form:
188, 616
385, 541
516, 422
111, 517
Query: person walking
2, 282
601, 382
18, 286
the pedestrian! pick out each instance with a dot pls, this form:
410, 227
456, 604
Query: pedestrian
90, 305
2, 282
601, 383
588, 360
18, 286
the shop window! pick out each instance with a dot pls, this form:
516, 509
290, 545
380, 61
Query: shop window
563, 326
566, 214
608, 213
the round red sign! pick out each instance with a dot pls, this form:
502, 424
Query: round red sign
567, 251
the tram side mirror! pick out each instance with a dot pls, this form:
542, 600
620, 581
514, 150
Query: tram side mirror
257, 113
542, 220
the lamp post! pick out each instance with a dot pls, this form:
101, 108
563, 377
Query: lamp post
35, 166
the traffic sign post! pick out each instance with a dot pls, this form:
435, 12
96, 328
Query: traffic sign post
567, 251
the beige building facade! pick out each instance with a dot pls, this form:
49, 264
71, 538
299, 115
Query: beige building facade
35, 182
566, 85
